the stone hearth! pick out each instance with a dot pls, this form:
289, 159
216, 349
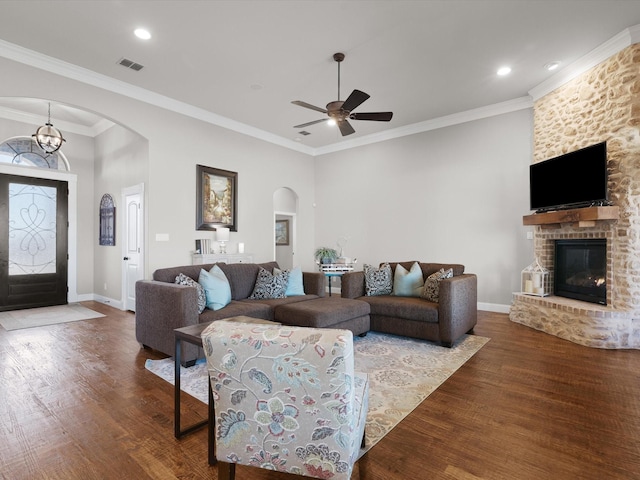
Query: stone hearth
602, 104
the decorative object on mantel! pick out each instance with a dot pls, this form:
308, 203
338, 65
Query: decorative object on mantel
222, 236
535, 280
48, 137
217, 199
325, 255
107, 221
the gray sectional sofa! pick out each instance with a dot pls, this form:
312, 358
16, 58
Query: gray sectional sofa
162, 305
452, 316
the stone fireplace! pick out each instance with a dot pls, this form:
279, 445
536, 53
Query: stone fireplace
602, 104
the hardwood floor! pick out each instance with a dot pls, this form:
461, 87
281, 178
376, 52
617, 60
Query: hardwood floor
77, 403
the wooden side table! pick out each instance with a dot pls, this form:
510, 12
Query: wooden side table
193, 334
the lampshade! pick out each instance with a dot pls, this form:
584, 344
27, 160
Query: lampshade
222, 234
48, 137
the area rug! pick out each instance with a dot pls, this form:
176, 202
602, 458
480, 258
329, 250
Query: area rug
38, 317
402, 373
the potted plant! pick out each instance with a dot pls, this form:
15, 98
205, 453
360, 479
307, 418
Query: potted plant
326, 255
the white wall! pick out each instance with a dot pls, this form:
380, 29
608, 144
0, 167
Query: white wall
121, 161
176, 145
455, 194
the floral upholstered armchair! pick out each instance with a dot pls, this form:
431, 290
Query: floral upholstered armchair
285, 398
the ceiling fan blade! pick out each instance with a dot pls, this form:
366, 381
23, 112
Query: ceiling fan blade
376, 116
302, 125
345, 128
355, 99
300, 103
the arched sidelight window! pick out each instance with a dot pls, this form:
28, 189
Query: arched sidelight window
26, 152
107, 220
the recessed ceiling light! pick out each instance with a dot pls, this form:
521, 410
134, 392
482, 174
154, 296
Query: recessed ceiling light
551, 66
142, 33
502, 71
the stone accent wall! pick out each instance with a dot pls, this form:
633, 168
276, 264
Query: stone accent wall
602, 104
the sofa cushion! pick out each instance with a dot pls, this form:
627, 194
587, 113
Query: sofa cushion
378, 281
322, 312
216, 288
295, 285
242, 277
269, 285
432, 284
169, 274
410, 308
183, 279
408, 283
236, 309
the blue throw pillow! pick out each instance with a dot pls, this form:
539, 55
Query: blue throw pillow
408, 283
216, 288
295, 286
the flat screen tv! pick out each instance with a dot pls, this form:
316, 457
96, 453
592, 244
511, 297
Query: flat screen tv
573, 180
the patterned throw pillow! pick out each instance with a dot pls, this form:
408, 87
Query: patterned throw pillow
432, 284
378, 281
183, 279
269, 285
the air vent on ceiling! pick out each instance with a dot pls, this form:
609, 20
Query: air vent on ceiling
125, 62
304, 132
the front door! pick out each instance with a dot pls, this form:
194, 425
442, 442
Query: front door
33, 242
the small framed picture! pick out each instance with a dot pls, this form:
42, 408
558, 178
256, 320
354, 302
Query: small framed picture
282, 232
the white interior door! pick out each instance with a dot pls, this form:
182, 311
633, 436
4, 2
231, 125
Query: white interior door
133, 255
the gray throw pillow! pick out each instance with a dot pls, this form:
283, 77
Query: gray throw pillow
183, 279
269, 285
431, 290
378, 281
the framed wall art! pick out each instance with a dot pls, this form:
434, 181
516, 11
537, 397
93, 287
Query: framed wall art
217, 198
282, 232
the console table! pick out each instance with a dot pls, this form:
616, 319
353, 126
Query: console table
202, 258
331, 270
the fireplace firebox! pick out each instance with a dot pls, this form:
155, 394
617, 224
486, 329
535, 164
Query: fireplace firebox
580, 270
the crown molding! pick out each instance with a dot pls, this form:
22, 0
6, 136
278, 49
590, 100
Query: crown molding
44, 62
521, 103
71, 127
598, 55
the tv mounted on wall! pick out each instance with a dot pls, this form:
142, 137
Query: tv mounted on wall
573, 180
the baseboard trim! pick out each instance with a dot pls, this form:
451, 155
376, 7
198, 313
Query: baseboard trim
107, 301
494, 307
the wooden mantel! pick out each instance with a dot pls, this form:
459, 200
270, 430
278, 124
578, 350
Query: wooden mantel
582, 217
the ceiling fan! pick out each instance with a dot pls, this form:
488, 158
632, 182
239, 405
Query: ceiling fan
340, 111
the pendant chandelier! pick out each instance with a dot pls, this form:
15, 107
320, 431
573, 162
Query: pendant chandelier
48, 137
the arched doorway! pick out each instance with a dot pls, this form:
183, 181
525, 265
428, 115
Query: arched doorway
285, 210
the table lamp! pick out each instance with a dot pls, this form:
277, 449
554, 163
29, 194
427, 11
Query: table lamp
222, 236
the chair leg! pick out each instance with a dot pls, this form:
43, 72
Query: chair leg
226, 471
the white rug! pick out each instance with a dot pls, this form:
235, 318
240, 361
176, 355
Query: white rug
38, 317
402, 373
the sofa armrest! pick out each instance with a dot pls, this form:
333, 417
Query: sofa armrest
162, 307
457, 306
352, 285
313, 283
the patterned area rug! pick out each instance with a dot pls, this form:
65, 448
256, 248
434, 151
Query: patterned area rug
402, 373
38, 317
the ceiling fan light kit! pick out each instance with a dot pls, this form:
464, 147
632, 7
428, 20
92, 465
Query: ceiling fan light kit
340, 111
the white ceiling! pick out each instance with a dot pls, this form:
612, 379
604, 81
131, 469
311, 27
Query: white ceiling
245, 61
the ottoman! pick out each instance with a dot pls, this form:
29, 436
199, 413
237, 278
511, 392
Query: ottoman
326, 312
